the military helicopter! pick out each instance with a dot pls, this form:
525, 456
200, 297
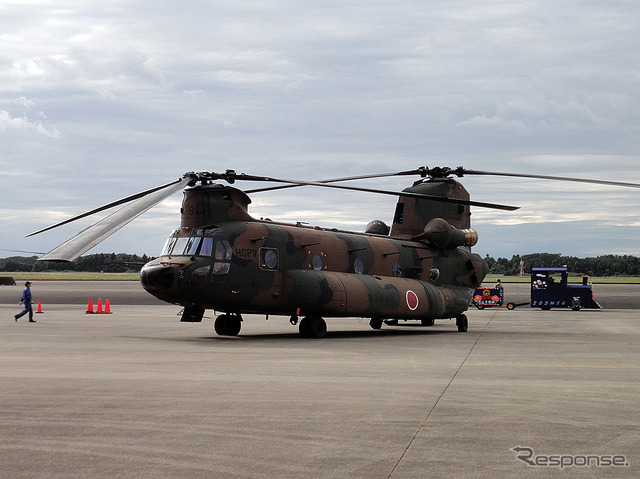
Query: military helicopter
421, 268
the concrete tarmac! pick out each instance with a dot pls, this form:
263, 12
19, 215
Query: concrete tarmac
138, 394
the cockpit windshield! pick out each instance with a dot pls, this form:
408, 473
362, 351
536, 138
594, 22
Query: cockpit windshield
200, 244
205, 242
168, 245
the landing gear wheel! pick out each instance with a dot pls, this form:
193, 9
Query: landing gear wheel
227, 325
313, 327
219, 324
375, 323
427, 322
463, 323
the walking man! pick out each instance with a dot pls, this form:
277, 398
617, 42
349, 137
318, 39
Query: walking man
26, 299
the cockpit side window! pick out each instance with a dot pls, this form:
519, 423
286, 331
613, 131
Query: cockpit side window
222, 256
223, 250
221, 268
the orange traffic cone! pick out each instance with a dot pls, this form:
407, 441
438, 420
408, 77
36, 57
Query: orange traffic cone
90, 307
107, 307
39, 307
99, 306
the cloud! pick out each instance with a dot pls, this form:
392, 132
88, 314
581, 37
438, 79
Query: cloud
8, 124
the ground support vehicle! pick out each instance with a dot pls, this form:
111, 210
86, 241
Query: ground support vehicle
490, 298
551, 289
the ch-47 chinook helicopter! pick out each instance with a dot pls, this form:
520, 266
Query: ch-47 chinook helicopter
221, 258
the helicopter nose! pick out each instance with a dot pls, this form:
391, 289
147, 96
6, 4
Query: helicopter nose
156, 277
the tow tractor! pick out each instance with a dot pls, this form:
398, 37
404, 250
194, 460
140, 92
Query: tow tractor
550, 289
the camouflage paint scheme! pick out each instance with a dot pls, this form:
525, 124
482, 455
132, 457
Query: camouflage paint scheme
423, 269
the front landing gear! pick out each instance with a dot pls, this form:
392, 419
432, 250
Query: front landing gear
313, 327
228, 324
463, 323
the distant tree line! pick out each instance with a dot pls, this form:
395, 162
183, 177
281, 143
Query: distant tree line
109, 263
608, 265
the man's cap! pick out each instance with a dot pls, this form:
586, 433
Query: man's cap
27, 283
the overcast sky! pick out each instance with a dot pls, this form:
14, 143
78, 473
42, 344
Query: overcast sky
99, 100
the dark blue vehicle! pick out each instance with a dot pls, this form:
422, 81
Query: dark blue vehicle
550, 289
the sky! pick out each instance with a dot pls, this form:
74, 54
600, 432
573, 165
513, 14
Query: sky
100, 100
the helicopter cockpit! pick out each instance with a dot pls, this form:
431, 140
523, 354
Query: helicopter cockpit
203, 242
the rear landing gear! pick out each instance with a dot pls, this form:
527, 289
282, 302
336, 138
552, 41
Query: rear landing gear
463, 323
313, 327
228, 324
375, 323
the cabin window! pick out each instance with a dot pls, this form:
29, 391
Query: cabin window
358, 266
269, 259
397, 270
317, 262
434, 273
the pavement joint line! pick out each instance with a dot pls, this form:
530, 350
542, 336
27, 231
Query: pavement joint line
435, 404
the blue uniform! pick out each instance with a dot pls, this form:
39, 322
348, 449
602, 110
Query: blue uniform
26, 299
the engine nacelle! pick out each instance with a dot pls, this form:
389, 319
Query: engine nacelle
444, 235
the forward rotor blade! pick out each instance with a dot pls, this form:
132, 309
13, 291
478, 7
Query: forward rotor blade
180, 183
87, 239
346, 178
555, 178
21, 251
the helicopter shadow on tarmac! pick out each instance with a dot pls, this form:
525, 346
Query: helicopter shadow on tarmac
294, 336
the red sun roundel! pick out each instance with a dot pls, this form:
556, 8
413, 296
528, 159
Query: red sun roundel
412, 300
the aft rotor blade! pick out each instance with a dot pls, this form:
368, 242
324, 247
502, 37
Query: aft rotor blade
87, 239
395, 193
555, 178
179, 184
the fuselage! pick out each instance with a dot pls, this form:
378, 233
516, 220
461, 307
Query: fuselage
269, 268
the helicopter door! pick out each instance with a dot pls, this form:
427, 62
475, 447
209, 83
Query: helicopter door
221, 258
